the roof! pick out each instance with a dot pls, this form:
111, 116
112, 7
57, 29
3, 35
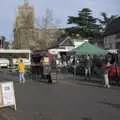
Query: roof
14, 51
89, 49
63, 40
78, 43
60, 39
113, 27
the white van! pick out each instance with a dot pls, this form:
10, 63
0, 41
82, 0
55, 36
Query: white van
4, 62
13, 55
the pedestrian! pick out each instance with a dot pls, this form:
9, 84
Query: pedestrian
87, 65
106, 73
21, 70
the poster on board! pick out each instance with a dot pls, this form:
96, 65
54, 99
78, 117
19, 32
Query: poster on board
7, 94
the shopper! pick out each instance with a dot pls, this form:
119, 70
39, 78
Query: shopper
21, 69
106, 72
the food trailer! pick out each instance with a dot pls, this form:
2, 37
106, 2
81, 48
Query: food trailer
44, 66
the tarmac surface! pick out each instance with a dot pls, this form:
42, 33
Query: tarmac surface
68, 99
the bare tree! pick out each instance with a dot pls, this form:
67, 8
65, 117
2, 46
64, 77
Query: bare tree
48, 20
48, 28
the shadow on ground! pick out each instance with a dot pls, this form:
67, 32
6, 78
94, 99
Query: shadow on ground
113, 105
86, 118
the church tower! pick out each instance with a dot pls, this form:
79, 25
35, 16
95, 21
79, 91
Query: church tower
24, 27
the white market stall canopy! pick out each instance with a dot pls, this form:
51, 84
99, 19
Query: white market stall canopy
115, 51
56, 51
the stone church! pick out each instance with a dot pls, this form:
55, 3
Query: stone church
26, 35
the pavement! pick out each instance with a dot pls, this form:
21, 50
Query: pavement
68, 99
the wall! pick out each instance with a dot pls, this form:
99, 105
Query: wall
110, 42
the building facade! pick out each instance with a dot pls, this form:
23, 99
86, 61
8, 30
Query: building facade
24, 32
27, 35
112, 35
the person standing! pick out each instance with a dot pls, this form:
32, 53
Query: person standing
21, 69
87, 65
106, 72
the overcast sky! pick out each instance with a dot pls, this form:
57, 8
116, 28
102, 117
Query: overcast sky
61, 10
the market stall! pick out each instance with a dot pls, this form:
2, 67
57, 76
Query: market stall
87, 50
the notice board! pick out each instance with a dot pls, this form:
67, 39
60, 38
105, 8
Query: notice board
7, 95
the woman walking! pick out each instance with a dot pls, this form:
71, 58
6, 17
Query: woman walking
21, 69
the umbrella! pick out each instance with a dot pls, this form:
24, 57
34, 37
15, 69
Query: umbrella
89, 49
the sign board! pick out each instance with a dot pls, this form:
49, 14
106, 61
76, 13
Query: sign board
46, 69
7, 96
53, 77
